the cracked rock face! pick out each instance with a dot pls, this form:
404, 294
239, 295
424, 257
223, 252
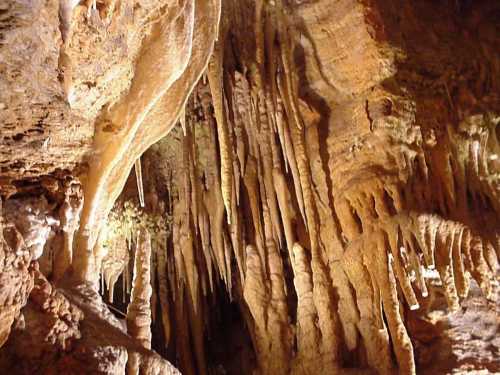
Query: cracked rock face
16, 277
316, 186
35, 115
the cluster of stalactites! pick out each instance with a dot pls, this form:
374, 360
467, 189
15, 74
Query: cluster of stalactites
254, 205
260, 140
119, 241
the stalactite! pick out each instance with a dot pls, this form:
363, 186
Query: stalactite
215, 207
227, 261
236, 240
328, 320
281, 131
176, 239
186, 248
250, 181
381, 265
292, 162
216, 87
290, 88
183, 342
185, 192
286, 208
267, 166
370, 323
140, 186
416, 263
114, 264
182, 120
444, 263
161, 270
490, 255
395, 241
330, 235
480, 271
197, 325
214, 204
427, 239
279, 322
239, 92
205, 243
193, 178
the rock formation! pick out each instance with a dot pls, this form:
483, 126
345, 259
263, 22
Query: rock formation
316, 186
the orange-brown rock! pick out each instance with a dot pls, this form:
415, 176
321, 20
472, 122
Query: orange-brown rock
330, 202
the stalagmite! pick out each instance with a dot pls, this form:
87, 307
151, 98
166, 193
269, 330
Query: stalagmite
279, 322
273, 340
70, 216
98, 255
139, 309
308, 335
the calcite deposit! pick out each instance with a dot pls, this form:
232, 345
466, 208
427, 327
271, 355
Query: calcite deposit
249, 187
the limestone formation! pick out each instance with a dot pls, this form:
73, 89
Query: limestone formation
328, 204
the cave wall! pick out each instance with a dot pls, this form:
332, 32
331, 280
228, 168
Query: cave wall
334, 166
